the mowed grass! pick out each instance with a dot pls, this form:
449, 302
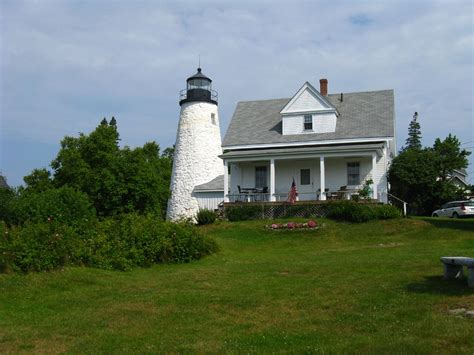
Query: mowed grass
373, 287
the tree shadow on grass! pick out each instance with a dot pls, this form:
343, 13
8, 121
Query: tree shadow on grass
453, 223
437, 285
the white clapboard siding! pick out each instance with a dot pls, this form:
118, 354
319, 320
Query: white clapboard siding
209, 200
306, 102
322, 123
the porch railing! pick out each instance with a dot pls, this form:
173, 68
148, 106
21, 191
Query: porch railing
282, 196
249, 197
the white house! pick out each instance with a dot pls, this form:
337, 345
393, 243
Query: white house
329, 144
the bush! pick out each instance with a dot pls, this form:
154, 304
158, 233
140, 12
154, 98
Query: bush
37, 246
64, 205
243, 213
120, 244
134, 240
357, 213
205, 217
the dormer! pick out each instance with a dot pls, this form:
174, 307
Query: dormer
309, 112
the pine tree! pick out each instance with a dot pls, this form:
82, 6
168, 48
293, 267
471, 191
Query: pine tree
414, 134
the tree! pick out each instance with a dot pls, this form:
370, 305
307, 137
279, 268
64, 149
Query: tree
39, 180
116, 180
412, 178
414, 134
420, 176
449, 156
169, 153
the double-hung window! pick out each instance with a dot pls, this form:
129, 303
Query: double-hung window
305, 176
260, 176
308, 122
353, 173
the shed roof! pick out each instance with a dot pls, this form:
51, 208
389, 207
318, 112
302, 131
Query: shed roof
216, 184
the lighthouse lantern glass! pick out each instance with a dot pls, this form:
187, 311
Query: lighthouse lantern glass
199, 84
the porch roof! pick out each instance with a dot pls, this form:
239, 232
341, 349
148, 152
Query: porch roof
346, 148
361, 115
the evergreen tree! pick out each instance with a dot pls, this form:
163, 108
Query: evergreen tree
414, 134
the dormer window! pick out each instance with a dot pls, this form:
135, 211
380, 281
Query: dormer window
308, 122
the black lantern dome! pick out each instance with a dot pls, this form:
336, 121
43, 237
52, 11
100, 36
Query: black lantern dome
199, 89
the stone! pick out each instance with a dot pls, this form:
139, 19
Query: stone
470, 314
196, 158
457, 311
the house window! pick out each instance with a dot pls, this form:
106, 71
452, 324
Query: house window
308, 122
260, 176
305, 176
213, 118
353, 173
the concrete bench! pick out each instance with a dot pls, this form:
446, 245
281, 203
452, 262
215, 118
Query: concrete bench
453, 268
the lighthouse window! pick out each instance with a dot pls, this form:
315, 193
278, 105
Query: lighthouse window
213, 118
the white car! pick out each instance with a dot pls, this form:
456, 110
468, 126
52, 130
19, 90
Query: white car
455, 209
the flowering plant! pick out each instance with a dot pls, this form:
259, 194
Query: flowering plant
292, 225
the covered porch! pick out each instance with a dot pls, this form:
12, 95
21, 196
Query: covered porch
320, 173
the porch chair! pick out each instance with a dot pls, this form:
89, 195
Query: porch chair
329, 194
241, 196
341, 194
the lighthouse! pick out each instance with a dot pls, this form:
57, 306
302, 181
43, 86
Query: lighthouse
198, 146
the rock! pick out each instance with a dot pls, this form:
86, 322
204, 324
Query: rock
470, 314
457, 311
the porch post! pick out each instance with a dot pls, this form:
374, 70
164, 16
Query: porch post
374, 186
272, 179
322, 178
226, 182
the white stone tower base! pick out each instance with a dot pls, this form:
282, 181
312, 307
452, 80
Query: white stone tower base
196, 157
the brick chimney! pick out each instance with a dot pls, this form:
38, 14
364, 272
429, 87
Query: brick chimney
323, 87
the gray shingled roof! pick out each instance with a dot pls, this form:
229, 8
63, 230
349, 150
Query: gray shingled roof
216, 184
362, 115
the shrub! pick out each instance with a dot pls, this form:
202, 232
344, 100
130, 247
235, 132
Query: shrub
387, 212
243, 213
135, 240
121, 243
37, 246
354, 212
64, 205
205, 217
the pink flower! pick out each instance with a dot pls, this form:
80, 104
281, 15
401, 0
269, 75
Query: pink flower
290, 225
312, 224
275, 226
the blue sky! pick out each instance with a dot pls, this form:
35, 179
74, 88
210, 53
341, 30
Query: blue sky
67, 64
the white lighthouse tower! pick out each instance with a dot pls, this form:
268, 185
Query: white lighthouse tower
198, 146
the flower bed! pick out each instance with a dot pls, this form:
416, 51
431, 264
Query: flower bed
292, 225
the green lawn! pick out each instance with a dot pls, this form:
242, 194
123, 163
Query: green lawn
373, 287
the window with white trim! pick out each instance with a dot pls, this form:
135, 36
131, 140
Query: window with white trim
260, 176
308, 122
213, 118
353, 173
305, 176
